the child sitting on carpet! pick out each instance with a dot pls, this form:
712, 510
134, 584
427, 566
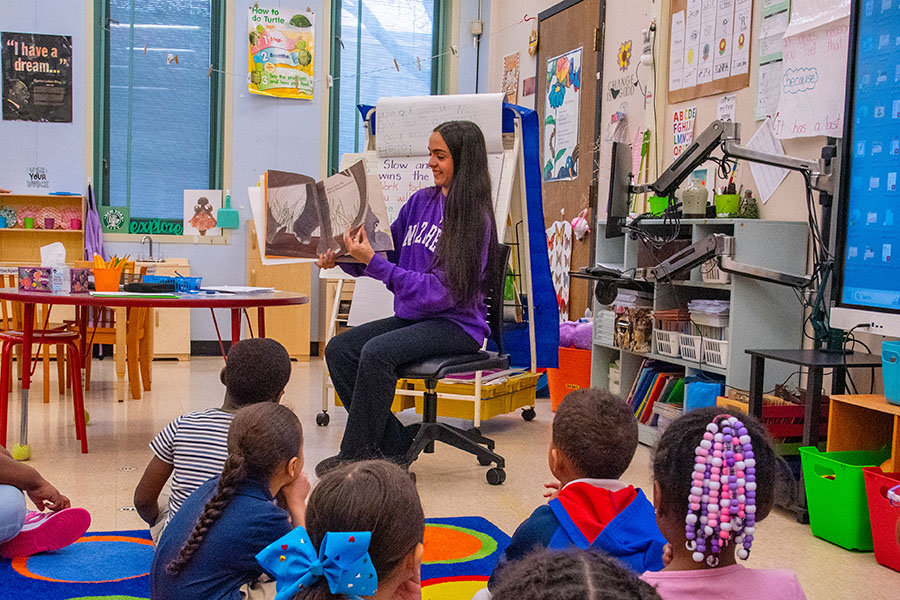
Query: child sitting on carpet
208, 549
570, 574
24, 532
194, 446
594, 440
715, 475
363, 538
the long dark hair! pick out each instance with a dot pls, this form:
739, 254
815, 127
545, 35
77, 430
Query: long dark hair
468, 212
261, 438
370, 495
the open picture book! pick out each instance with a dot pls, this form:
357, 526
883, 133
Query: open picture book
305, 217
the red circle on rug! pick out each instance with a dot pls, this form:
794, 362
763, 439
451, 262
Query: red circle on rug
444, 544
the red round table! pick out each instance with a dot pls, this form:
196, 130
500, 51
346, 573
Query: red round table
234, 302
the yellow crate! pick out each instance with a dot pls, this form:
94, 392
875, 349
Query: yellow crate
400, 403
516, 392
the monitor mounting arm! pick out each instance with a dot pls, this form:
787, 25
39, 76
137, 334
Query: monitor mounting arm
727, 135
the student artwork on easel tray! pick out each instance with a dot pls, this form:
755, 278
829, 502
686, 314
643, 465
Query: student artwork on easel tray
304, 218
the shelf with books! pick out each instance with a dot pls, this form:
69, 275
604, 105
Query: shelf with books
760, 314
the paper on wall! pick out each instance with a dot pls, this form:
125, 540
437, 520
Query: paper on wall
740, 41
707, 41
768, 89
676, 52
692, 43
809, 14
811, 98
767, 178
726, 107
724, 31
404, 124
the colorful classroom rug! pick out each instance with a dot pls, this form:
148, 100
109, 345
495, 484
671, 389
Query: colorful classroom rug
460, 553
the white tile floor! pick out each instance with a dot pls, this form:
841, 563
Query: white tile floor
450, 482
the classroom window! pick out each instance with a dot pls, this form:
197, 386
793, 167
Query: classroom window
161, 104
368, 37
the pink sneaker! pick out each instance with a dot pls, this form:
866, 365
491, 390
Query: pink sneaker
47, 531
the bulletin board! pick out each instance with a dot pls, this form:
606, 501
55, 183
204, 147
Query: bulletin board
708, 38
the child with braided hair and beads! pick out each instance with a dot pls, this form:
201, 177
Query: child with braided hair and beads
209, 548
715, 475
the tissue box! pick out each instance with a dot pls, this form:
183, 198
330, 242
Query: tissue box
79, 280
35, 279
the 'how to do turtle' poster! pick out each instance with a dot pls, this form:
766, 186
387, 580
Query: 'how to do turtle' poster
281, 52
37, 77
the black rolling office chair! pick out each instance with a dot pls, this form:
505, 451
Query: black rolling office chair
433, 369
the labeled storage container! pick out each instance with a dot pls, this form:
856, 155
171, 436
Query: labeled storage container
574, 373
836, 495
883, 516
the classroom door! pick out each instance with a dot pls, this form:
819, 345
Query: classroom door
568, 151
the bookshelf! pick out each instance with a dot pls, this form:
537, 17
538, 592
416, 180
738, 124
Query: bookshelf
23, 246
762, 315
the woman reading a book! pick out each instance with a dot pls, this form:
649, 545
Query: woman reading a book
442, 237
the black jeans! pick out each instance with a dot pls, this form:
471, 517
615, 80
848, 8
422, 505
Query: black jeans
363, 364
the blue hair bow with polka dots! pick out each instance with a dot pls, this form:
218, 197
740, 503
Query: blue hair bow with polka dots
343, 560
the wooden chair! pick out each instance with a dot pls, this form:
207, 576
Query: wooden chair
11, 315
104, 328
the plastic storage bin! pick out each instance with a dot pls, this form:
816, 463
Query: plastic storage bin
890, 371
574, 373
182, 284
715, 352
667, 342
836, 495
691, 347
883, 516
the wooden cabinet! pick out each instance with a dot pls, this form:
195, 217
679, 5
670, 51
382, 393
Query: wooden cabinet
171, 326
287, 324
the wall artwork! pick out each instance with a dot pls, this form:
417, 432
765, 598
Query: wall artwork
281, 52
560, 149
200, 208
510, 82
37, 77
623, 58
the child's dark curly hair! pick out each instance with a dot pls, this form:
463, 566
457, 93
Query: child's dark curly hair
673, 462
570, 574
257, 370
596, 430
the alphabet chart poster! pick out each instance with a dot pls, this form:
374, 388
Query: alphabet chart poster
709, 47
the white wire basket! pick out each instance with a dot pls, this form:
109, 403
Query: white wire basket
691, 347
667, 342
711, 273
715, 352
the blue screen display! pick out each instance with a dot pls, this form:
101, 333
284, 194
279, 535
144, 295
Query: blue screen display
871, 269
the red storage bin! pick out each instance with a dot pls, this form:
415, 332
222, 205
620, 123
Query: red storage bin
574, 373
883, 516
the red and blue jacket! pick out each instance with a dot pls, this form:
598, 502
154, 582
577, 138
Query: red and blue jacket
600, 514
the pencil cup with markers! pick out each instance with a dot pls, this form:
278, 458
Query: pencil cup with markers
107, 274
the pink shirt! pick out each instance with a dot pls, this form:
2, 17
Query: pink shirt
774, 584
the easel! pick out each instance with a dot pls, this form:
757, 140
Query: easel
510, 212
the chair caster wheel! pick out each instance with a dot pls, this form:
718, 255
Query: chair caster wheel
496, 476
484, 461
322, 419
528, 414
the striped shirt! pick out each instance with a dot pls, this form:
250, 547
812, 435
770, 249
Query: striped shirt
196, 445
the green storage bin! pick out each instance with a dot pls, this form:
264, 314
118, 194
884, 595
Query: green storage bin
836, 495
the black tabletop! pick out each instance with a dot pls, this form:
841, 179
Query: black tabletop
818, 358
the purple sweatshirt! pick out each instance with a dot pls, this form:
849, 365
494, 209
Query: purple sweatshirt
419, 290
